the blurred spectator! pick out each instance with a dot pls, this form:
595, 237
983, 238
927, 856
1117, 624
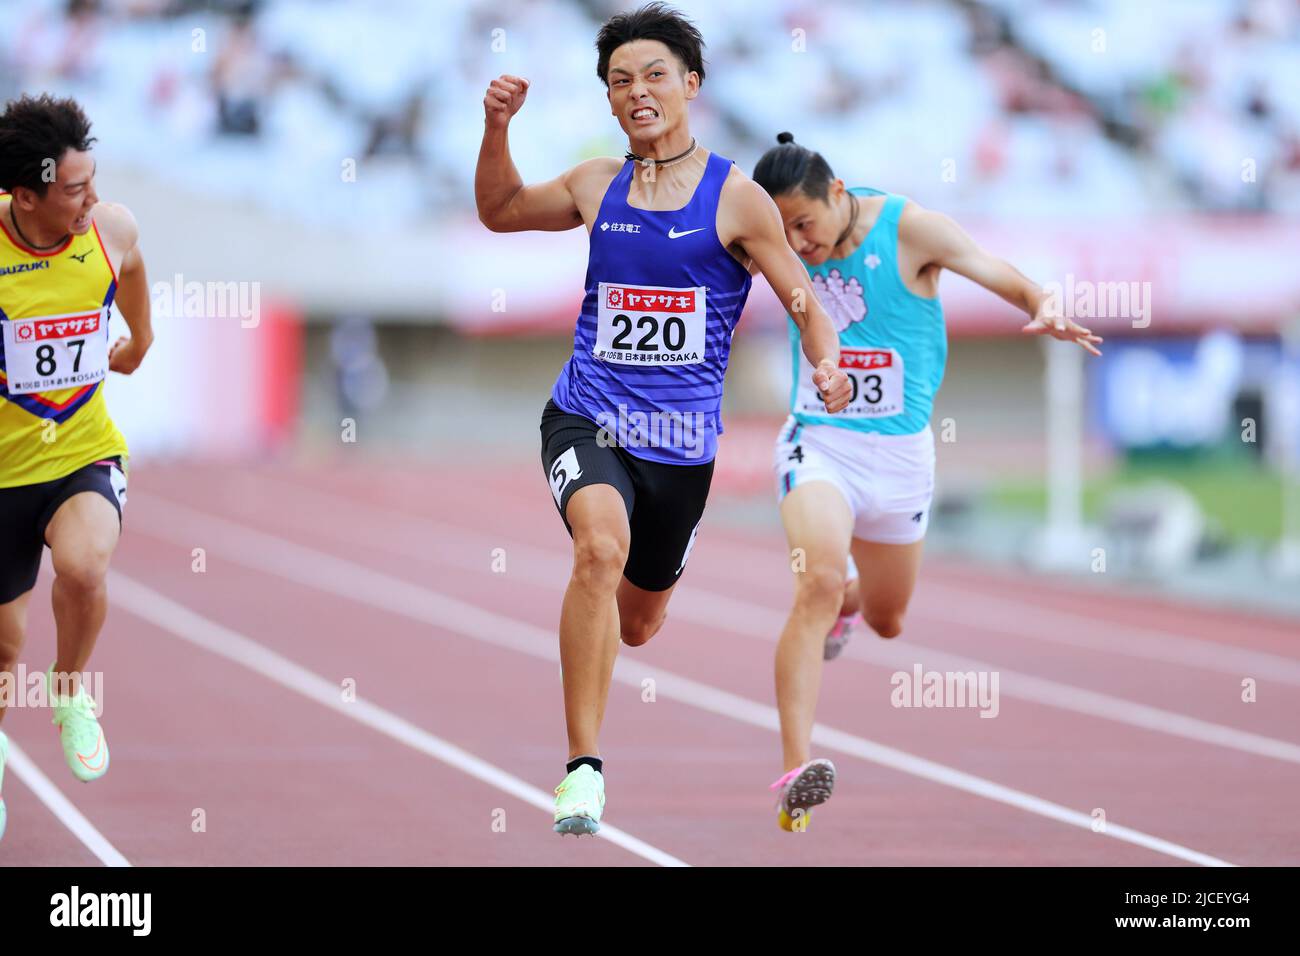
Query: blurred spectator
241, 76
1132, 108
61, 46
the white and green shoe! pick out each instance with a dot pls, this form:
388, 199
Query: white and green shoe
579, 802
84, 746
4, 756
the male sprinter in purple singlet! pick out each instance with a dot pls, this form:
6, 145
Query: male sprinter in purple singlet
630, 433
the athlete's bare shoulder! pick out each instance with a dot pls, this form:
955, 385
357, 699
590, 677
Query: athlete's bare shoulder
591, 177
745, 212
928, 242
927, 231
741, 192
117, 226
587, 183
916, 222
598, 167
915, 216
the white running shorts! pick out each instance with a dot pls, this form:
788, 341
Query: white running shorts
888, 480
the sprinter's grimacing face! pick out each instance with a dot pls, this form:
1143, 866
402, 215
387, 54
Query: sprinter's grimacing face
649, 89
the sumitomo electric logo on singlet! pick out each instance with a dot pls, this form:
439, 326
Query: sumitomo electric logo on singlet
620, 227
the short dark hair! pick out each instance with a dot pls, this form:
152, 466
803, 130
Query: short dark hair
35, 129
788, 166
654, 21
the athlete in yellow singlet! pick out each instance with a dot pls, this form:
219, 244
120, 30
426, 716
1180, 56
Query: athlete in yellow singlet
65, 259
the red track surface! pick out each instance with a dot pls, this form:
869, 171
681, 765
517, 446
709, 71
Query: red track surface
283, 779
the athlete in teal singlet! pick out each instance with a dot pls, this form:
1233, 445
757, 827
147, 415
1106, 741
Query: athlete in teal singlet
855, 487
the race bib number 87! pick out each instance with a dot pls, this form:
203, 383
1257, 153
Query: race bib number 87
876, 377
56, 351
649, 325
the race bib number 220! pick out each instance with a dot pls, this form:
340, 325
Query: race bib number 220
56, 351
649, 325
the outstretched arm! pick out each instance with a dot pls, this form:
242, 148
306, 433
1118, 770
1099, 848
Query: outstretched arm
943, 243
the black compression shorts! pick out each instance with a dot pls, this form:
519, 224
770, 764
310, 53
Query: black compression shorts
664, 502
25, 510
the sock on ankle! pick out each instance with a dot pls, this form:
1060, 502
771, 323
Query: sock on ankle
595, 763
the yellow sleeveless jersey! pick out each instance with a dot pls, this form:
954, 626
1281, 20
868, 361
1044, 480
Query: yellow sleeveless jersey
54, 309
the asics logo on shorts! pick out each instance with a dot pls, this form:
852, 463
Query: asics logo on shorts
563, 470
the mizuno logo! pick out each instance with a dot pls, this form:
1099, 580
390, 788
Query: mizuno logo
674, 234
82, 257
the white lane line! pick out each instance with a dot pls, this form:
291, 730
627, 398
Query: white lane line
25, 770
343, 578
743, 618
760, 715
970, 607
957, 605
387, 530
152, 606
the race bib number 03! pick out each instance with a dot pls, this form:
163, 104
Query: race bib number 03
56, 351
648, 325
876, 377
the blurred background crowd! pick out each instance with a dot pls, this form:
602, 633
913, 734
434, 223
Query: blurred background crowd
324, 151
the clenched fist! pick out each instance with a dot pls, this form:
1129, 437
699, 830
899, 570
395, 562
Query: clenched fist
126, 354
504, 96
833, 385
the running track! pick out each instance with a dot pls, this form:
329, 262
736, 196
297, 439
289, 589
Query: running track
225, 696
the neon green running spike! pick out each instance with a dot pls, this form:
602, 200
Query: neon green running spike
84, 746
579, 802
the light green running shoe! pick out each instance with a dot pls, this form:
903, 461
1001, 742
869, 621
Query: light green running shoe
579, 802
84, 746
4, 756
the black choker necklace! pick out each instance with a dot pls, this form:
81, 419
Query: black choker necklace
853, 221
651, 161
31, 245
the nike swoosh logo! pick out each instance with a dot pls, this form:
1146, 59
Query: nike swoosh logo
674, 234
85, 760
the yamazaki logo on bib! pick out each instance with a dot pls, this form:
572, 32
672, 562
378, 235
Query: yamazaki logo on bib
55, 351
876, 377
649, 325
39, 330
865, 358
622, 297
